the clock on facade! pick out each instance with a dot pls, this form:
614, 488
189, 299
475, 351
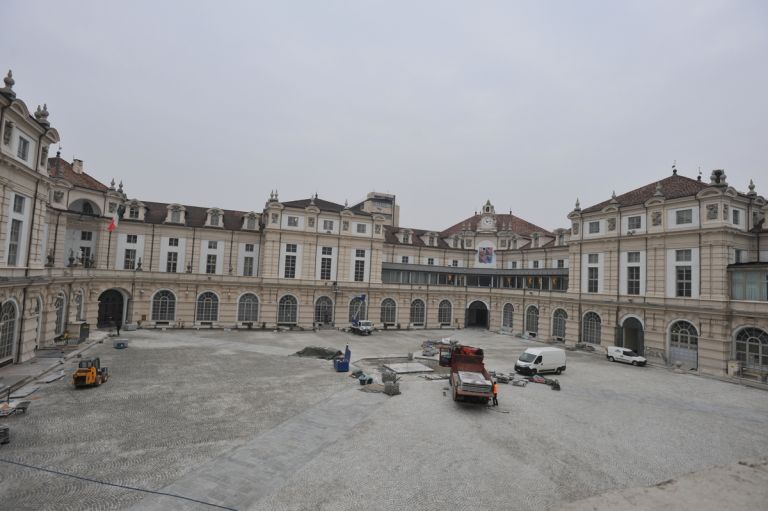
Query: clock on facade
487, 221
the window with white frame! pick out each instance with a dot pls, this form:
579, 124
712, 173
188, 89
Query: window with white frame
173, 242
293, 221
455, 262
207, 307
287, 309
633, 273
359, 273
14, 240
634, 222
176, 216
213, 245
250, 223
133, 212
248, 266
444, 310
430, 261
18, 204
683, 216
418, 312
593, 273
23, 149
327, 225
210, 263
172, 262
513, 265
558, 323
736, 216
326, 263
404, 259
289, 272
132, 239
388, 311
164, 306
561, 263
594, 227
361, 228
248, 308
535, 264
532, 320
506, 315
591, 328
129, 261
215, 219
683, 273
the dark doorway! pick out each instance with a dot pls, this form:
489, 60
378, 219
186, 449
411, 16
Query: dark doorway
477, 315
631, 335
110, 308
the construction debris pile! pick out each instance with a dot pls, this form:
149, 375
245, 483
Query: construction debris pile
319, 352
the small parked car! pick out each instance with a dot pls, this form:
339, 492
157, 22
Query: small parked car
617, 354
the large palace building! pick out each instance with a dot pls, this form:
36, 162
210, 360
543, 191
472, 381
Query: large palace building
676, 269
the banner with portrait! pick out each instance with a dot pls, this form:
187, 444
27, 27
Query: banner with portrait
485, 255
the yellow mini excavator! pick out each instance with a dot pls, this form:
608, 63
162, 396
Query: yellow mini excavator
89, 372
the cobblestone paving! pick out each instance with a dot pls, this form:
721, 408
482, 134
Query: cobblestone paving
178, 402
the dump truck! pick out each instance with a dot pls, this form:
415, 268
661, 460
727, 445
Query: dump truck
469, 380
90, 373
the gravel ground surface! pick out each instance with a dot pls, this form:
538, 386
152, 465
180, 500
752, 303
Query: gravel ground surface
230, 418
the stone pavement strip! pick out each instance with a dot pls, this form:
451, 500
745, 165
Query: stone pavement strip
739, 485
240, 478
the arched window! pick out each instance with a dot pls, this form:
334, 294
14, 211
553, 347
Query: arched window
591, 328
79, 304
558, 323
532, 320
683, 335
287, 309
357, 309
444, 310
506, 315
388, 311
7, 329
324, 310
417, 312
752, 348
248, 308
164, 306
208, 307
59, 305
87, 208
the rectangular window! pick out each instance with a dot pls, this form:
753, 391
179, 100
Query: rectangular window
293, 221
133, 212
561, 263
23, 151
503, 243
210, 263
683, 281
430, 261
359, 271
594, 227
290, 267
359, 252
13, 243
683, 256
176, 217
249, 247
735, 212
86, 236
172, 262
129, 263
633, 280
404, 259
290, 247
85, 253
634, 222
325, 268
173, 242
514, 265
592, 280
738, 254
327, 225
684, 216
326, 251
535, 264
455, 262
361, 228
213, 245
132, 238
455, 242
248, 266
214, 219
593, 258
250, 223
431, 241
18, 204
633, 257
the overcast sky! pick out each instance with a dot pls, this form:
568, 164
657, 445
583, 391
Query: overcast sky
445, 104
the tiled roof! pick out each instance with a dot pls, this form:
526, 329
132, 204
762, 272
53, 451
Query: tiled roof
58, 167
673, 187
195, 216
324, 205
416, 234
517, 225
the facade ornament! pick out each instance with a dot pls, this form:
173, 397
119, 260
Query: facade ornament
44, 155
138, 265
712, 211
112, 184
8, 132
751, 188
611, 224
658, 192
656, 218
674, 167
120, 187
276, 199
346, 204
578, 206
9, 82
613, 198
717, 178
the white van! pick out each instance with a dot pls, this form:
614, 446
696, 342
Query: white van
541, 360
616, 354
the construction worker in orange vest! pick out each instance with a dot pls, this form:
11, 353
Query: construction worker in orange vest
495, 394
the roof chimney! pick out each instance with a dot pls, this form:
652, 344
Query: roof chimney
77, 166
